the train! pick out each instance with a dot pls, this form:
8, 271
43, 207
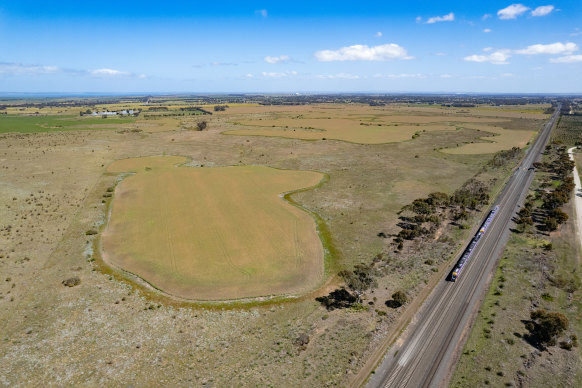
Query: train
471, 247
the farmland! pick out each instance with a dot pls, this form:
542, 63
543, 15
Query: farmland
32, 124
68, 190
373, 125
223, 233
496, 140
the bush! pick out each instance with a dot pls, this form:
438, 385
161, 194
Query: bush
201, 125
545, 326
398, 299
337, 299
71, 282
550, 223
361, 278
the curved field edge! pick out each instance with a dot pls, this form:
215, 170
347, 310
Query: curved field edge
328, 137
497, 139
156, 294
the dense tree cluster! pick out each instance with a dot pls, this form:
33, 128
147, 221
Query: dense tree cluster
561, 168
220, 108
502, 157
424, 216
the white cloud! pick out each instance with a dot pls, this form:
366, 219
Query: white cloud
487, 30
379, 34
507, 75
486, 16
401, 75
278, 75
498, 57
276, 60
447, 76
567, 59
542, 10
108, 73
553, 49
446, 18
262, 12
439, 54
512, 12
418, 19
360, 52
338, 76
21, 69
223, 64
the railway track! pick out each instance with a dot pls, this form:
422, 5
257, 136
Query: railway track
426, 356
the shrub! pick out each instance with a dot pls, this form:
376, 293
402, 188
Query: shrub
361, 278
201, 125
550, 223
545, 326
71, 282
337, 299
398, 299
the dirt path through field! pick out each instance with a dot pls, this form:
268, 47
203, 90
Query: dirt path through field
577, 197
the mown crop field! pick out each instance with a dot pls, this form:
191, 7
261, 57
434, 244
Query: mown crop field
213, 233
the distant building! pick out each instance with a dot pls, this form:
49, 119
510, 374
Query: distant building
125, 112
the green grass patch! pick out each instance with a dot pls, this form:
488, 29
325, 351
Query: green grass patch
32, 124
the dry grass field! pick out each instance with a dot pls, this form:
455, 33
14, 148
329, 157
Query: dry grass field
498, 139
111, 331
213, 233
377, 125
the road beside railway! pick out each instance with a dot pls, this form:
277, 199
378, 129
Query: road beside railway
577, 197
426, 353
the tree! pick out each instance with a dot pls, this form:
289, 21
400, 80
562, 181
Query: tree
559, 215
550, 223
545, 327
337, 299
398, 299
361, 278
438, 199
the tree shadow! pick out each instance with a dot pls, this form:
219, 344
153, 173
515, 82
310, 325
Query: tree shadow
393, 304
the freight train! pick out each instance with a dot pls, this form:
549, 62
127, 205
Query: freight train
469, 251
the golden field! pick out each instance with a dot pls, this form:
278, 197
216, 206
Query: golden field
213, 233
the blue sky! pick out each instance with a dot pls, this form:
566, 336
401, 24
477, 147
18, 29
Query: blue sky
261, 46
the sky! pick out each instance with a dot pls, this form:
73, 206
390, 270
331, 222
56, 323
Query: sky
290, 47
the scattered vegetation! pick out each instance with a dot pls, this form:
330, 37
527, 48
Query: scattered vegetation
71, 282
